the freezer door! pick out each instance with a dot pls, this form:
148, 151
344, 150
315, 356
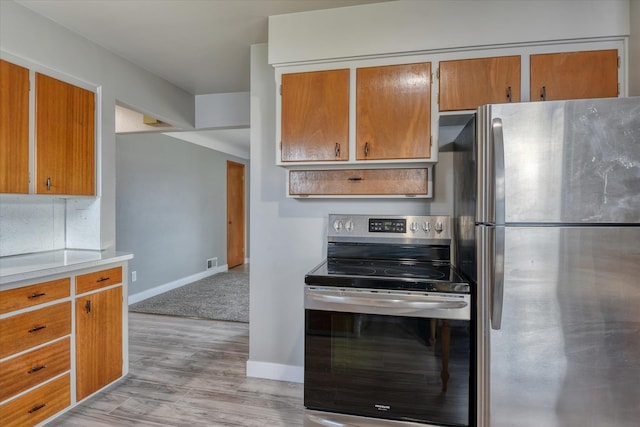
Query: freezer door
564, 162
568, 350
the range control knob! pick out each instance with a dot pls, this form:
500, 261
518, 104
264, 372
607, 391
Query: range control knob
337, 225
414, 227
426, 227
439, 227
348, 225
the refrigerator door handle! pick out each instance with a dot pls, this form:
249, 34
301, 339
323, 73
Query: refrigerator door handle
498, 170
497, 279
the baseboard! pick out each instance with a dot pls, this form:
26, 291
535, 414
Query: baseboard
275, 371
141, 296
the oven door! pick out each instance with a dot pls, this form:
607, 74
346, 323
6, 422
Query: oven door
388, 354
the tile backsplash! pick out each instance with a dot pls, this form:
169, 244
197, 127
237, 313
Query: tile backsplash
31, 224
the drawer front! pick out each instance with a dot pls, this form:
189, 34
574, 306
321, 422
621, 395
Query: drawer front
30, 369
99, 279
37, 405
23, 331
28, 296
409, 181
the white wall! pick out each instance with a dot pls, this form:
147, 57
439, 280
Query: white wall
418, 25
38, 43
288, 235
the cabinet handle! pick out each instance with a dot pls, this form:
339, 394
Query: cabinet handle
509, 94
87, 306
103, 279
366, 149
543, 93
49, 184
36, 295
37, 328
36, 408
36, 369
355, 178
337, 149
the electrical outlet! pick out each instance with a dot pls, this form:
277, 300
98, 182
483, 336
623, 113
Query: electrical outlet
212, 262
134, 276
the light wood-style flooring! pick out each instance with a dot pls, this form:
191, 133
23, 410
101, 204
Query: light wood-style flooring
189, 372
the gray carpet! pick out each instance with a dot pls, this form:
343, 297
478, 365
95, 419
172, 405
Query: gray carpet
223, 296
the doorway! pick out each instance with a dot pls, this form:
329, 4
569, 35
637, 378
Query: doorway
235, 214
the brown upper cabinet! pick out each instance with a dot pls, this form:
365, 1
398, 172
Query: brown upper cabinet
315, 116
468, 83
393, 112
65, 138
574, 75
14, 128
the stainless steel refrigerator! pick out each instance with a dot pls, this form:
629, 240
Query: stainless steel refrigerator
547, 215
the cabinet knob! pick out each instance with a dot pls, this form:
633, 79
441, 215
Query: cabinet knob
87, 306
49, 184
543, 93
366, 149
509, 94
337, 149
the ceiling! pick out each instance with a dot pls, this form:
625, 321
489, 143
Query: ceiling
201, 46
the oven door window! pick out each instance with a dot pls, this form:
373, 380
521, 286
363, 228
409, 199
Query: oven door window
393, 367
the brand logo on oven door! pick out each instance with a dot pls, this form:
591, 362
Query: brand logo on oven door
382, 407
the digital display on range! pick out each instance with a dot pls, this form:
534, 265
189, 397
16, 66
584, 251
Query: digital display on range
387, 225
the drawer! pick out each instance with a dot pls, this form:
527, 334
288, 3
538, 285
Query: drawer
23, 331
28, 296
407, 181
30, 369
37, 405
99, 279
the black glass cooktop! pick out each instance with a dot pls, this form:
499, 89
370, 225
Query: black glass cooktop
388, 274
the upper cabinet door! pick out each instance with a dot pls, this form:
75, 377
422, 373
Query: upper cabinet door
14, 128
466, 84
574, 75
393, 112
65, 138
315, 116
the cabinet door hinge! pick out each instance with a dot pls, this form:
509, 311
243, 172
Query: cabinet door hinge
438, 72
431, 141
618, 62
280, 90
618, 89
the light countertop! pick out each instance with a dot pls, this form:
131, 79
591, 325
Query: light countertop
31, 266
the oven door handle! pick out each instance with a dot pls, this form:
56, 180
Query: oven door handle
387, 303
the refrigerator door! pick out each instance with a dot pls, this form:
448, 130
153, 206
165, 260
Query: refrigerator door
565, 162
568, 351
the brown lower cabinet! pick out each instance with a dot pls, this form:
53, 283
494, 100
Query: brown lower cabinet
35, 367
98, 340
37, 405
38, 341
354, 182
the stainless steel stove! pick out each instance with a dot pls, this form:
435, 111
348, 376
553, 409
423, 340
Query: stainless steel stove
388, 332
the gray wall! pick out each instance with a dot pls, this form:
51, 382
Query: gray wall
634, 48
170, 207
287, 238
